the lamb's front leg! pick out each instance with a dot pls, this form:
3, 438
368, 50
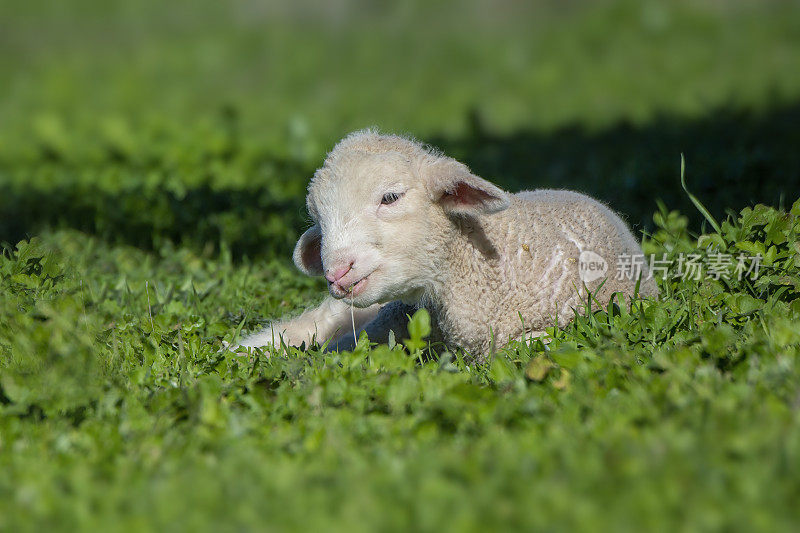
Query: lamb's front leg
330, 319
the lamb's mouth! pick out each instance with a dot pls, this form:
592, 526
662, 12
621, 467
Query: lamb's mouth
337, 291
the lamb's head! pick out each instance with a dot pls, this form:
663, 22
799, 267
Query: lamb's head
384, 209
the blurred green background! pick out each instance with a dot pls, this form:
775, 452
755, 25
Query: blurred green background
202, 121
154, 158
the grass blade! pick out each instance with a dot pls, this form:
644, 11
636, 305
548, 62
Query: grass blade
700, 207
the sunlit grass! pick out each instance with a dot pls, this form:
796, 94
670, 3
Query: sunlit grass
153, 165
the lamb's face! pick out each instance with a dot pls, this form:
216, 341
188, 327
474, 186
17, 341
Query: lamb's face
381, 223
372, 213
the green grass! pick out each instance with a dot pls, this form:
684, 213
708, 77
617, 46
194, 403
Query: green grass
153, 164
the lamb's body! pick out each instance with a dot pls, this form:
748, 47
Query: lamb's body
489, 266
524, 262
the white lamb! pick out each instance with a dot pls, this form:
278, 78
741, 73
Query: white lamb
399, 226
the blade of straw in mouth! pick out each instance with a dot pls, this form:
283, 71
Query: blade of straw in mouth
353, 319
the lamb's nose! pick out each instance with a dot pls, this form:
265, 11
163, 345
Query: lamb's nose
335, 275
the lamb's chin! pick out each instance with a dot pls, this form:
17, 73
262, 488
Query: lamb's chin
362, 302
374, 292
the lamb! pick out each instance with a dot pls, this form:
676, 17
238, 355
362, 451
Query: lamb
399, 226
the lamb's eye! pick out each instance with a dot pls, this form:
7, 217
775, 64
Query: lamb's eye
390, 198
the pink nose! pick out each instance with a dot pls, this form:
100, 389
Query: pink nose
336, 275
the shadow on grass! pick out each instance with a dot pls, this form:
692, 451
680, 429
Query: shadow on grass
249, 221
734, 159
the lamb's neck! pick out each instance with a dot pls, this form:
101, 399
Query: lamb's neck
469, 283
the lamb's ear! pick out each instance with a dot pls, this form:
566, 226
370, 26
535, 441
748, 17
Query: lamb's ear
459, 191
307, 253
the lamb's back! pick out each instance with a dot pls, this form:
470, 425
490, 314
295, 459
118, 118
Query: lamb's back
573, 226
